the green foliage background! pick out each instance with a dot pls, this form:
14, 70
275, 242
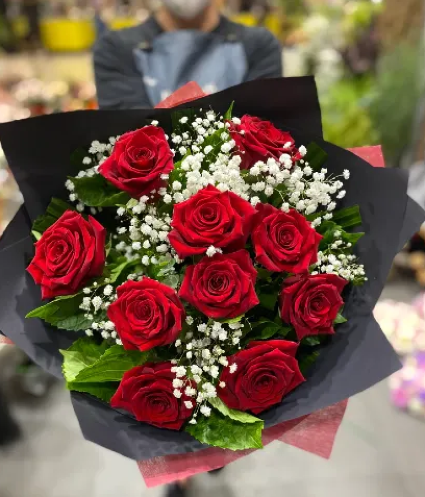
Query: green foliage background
377, 109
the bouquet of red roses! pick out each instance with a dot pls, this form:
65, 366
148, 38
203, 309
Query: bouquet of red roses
207, 272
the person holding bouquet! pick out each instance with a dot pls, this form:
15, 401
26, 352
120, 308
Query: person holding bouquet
182, 41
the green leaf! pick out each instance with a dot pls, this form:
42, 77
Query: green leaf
54, 211
229, 113
221, 431
340, 319
77, 158
119, 268
132, 203
114, 257
36, 235
96, 369
83, 354
266, 329
307, 361
311, 340
328, 228
235, 320
103, 391
165, 266
78, 322
269, 331
264, 274
241, 417
164, 354
215, 141
96, 191
64, 313
268, 300
108, 246
164, 271
178, 114
353, 238
172, 280
112, 365
315, 156
348, 217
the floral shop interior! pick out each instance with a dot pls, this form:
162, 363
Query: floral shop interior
106, 57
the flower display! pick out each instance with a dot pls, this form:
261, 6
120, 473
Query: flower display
225, 250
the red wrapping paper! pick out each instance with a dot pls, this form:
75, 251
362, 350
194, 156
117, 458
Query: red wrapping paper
314, 433
187, 93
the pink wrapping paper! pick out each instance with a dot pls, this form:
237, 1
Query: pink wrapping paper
373, 155
5, 341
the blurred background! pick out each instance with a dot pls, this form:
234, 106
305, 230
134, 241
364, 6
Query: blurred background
368, 59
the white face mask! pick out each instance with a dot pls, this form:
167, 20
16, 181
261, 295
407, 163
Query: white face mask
186, 9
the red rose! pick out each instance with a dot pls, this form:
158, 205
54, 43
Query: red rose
284, 241
258, 140
266, 372
222, 286
68, 254
210, 217
146, 314
311, 303
147, 392
138, 160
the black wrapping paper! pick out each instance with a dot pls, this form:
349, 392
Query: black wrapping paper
357, 356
